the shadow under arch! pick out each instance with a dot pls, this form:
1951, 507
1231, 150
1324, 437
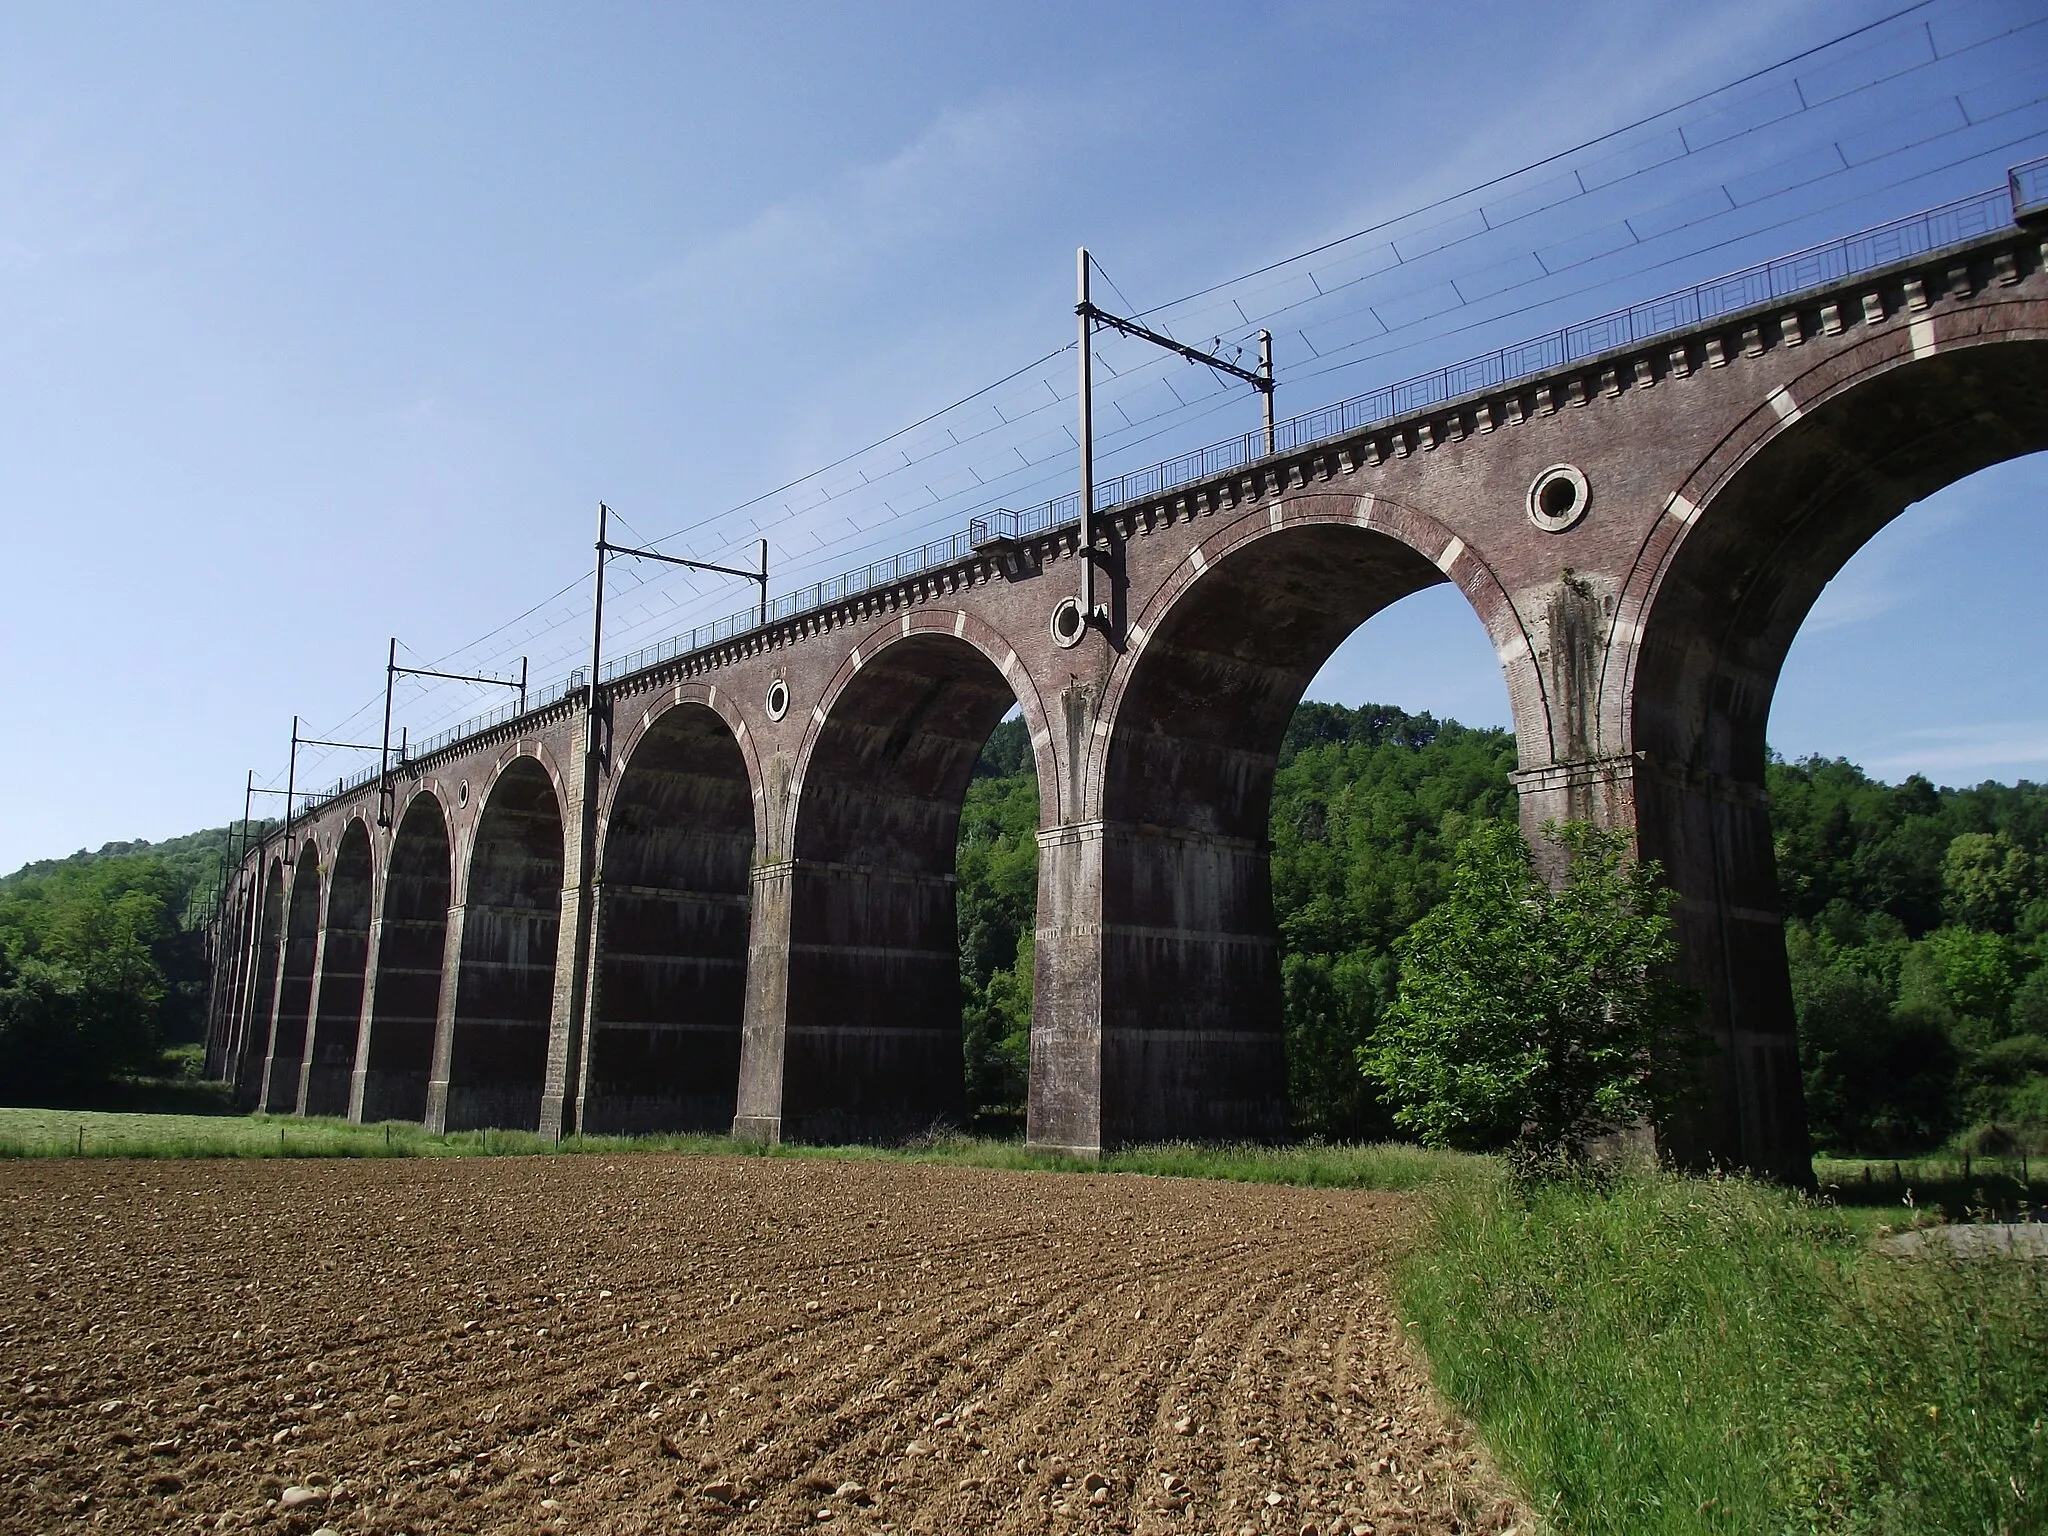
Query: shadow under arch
252, 1011
396, 1057
1191, 1023
871, 1039
1715, 606
510, 919
670, 976
338, 995
294, 985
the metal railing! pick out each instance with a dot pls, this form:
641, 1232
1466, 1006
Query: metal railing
820, 594
539, 698
1784, 277
2027, 185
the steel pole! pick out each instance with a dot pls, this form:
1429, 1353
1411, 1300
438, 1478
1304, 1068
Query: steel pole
384, 806
522, 685
567, 1118
596, 637
1087, 434
1266, 371
291, 779
764, 581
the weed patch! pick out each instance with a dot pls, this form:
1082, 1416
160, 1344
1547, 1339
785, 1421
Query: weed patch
1683, 1355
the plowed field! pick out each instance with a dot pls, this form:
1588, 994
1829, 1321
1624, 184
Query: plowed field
707, 1344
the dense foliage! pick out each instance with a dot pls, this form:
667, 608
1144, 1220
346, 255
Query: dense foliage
1916, 927
96, 975
195, 861
1532, 1014
1369, 804
998, 897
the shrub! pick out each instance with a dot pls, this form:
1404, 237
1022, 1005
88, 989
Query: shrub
1543, 1016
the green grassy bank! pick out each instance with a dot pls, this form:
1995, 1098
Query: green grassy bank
1687, 1355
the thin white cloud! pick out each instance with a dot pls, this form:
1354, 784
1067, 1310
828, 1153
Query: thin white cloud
963, 163
2003, 748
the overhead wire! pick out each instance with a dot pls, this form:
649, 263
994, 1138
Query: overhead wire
859, 524
1561, 155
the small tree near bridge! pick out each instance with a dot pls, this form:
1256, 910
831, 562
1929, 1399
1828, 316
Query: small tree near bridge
1538, 1017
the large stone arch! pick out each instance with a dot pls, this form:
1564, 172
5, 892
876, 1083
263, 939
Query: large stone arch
344, 953
1187, 1024
1718, 593
395, 1057
294, 984
227, 991
464, 798
253, 1008
854, 989
669, 972
928, 627
491, 1057
1341, 516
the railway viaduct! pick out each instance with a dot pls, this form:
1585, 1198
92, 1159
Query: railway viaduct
723, 898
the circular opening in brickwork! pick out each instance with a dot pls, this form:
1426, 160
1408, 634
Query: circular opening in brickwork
1558, 498
462, 793
1068, 624
778, 699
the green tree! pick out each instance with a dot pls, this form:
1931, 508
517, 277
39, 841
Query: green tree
95, 975
1878, 1074
1986, 881
1368, 806
996, 862
1976, 974
1546, 1017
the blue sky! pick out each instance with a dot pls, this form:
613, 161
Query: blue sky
325, 323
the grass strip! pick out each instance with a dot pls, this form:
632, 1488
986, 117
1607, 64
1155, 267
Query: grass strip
1658, 1354
94, 1133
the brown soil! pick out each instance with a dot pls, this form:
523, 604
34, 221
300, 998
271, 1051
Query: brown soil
707, 1344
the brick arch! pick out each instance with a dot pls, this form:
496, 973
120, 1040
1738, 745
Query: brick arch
681, 822
491, 1058
1719, 589
415, 888
1434, 541
870, 989
994, 648
304, 909
254, 1008
1929, 344
346, 909
463, 820
1181, 769
720, 702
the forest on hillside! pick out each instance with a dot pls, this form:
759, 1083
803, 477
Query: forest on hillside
195, 863
1916, 924
103, 964
97, 976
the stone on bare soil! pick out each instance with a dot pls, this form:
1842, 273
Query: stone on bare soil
976, 1361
